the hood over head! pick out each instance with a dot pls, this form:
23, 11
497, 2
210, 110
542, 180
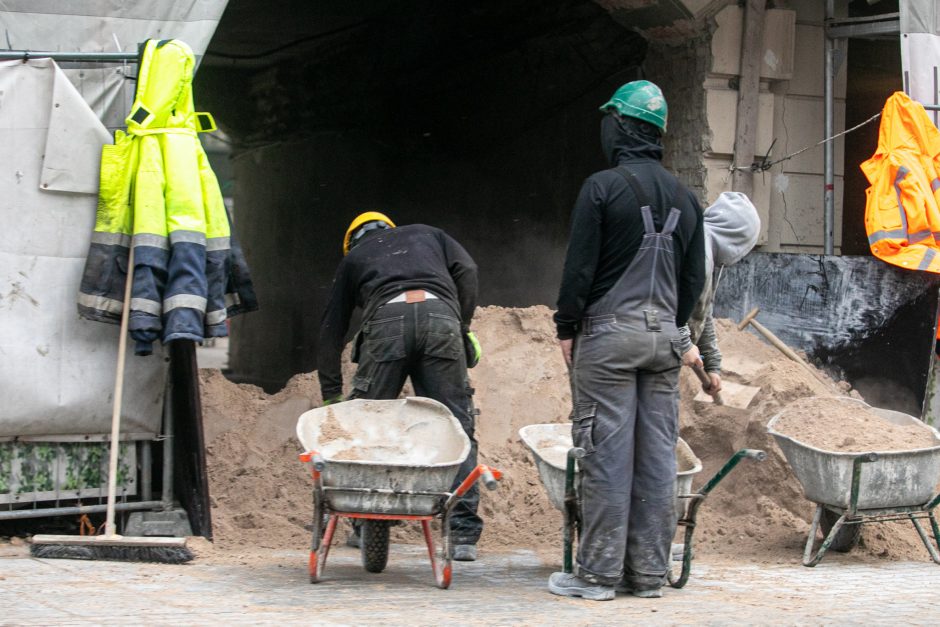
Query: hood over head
731, 228
625, 139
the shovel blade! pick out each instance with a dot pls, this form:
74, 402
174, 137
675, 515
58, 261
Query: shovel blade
732, 394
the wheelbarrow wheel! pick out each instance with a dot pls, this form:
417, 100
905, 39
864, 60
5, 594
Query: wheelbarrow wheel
374, 545
847, 537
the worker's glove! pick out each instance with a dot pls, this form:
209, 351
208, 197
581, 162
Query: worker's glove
472, 349
336, 399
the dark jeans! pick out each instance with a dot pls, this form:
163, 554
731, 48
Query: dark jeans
423, 341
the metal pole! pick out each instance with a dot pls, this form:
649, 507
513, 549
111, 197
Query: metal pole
146, 470
98, 57
829, 166
168, 447
17, 514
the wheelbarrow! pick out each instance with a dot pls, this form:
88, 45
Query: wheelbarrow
381, 462
852, 489
557, 462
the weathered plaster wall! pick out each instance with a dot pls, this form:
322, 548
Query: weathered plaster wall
688, 136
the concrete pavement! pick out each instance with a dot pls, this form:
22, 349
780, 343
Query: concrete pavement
500, 589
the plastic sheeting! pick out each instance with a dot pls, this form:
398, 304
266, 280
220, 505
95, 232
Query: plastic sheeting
106, 26
56, 370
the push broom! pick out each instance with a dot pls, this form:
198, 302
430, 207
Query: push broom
110, 545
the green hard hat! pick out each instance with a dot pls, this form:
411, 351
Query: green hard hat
642, 100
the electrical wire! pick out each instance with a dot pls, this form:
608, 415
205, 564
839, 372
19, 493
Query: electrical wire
763, 165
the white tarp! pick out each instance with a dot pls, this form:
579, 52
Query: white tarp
56, 370
920, 51
106, 26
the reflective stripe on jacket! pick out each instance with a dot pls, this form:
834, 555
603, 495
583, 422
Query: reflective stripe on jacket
159, 192
902, 213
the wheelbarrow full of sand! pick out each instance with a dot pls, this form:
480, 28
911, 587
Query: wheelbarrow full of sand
382, 461
557, 462
853, 488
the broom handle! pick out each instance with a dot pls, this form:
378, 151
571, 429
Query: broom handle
110, 528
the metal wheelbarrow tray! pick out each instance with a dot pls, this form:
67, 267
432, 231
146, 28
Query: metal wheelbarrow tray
382, 461
851, 489
557, 462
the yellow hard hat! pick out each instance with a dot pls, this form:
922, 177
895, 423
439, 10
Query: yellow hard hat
362, 218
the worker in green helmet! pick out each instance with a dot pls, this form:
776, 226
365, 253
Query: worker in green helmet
633, 273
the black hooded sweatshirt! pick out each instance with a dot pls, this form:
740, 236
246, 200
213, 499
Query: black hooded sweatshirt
382, 266
607, 227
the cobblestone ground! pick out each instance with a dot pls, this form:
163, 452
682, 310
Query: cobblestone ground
500, 589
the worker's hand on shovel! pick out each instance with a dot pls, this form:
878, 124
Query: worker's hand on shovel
715, 386
692, 358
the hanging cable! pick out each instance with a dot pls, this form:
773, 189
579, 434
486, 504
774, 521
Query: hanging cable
764, 164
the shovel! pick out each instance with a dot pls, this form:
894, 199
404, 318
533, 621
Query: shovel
733, 394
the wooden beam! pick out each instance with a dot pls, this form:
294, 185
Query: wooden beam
745, 137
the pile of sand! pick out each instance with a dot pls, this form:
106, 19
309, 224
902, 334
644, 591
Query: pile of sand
835, 424
261, 492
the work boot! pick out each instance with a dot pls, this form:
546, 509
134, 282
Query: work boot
464, 552
647, 593
568, 585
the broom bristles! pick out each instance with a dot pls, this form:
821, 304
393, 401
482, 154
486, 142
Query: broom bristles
159, 554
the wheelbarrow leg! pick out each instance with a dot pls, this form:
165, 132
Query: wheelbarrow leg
321, 549
570, 512
809, 559
695, 502
934, 555
689, 523
443, 569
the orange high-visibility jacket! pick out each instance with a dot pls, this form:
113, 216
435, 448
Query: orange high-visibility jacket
902, 213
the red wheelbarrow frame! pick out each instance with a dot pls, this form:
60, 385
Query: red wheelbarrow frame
320, 547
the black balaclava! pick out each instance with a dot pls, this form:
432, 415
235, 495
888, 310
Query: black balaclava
622, 135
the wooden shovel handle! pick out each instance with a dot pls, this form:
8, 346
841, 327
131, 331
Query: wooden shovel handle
707, 383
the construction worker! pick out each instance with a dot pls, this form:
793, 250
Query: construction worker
731, 230
634, 270
417, 288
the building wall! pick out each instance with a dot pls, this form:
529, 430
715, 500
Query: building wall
789, 196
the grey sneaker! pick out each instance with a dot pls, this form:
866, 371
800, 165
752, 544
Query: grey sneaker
464, 552
568, 585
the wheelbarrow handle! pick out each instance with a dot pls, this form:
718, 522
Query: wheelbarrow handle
489, 480
319, 464
755, 454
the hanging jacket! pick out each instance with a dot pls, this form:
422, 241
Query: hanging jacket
902, 214
159, 193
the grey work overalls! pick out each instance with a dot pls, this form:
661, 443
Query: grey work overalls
625, 375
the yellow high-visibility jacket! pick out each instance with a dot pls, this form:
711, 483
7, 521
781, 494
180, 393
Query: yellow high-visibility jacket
902, 212
159, 194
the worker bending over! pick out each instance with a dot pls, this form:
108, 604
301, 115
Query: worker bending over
634, 270
731, 230
417, 288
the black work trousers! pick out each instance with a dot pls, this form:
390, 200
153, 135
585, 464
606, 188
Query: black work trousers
423, 341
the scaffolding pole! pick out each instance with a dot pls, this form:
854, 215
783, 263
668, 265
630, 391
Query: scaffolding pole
96, 57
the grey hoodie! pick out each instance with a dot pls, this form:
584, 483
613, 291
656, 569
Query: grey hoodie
731, 230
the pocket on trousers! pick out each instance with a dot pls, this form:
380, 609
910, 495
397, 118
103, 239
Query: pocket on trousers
443, 339
582, 427
677, 349
384, 340
360, 385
